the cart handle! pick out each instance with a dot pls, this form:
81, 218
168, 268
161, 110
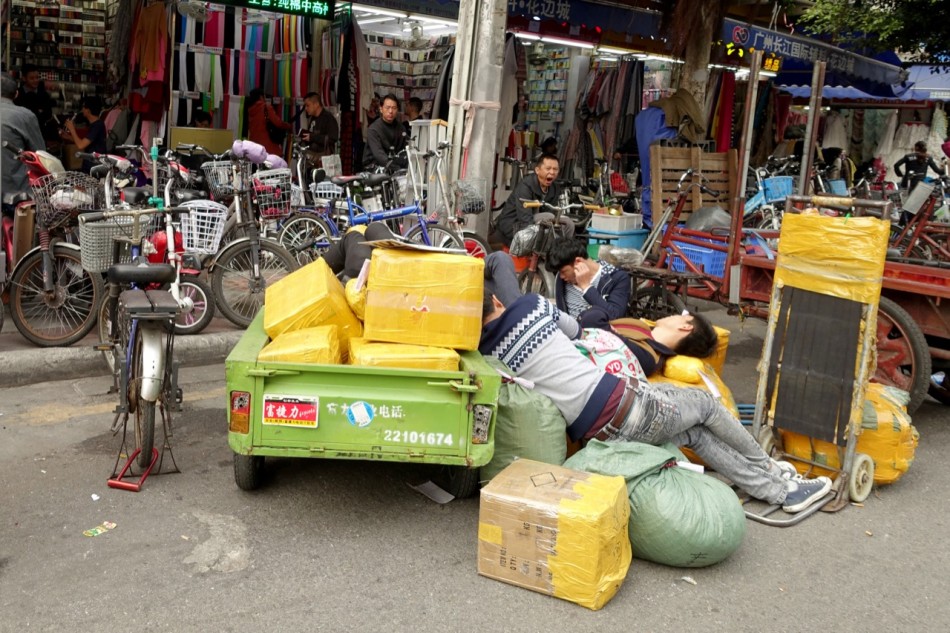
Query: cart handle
456, 386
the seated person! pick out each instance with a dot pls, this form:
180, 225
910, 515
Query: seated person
537, 186
599, 405
201, 119
590, 291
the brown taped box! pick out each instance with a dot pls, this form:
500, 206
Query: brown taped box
556, 531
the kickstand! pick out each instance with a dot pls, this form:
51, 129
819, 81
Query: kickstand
121, 479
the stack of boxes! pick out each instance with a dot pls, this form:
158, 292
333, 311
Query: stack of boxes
623, 231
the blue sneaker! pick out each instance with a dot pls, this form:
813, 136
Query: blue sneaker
804, 492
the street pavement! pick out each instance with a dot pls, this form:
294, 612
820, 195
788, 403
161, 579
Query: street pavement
349, 546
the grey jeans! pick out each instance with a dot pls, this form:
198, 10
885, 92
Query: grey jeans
695, 419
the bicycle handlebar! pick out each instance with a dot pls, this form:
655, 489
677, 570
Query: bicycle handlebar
537, 204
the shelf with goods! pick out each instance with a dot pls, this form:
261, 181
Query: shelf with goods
407, 68
65, 40
547, 89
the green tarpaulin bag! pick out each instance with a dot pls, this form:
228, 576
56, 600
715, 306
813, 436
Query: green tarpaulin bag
678, 517
527, 426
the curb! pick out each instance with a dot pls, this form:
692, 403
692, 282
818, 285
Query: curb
26, 367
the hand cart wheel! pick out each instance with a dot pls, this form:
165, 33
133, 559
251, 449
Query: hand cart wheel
862, 477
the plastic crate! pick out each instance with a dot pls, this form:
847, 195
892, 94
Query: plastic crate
777, 188
620, 239
708, 260
616, 223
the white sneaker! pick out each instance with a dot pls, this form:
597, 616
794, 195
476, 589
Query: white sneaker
788, 469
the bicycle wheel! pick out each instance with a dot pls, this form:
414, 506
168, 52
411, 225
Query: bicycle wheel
63, 316
237, 293
144, 410
535, 281
655, 302
440, 236
109, 335
202, 298
475, 244
306, 236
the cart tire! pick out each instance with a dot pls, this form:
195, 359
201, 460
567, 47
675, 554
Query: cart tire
537, 282
862, 477
654, 303
903, 358
459, 481
248, 471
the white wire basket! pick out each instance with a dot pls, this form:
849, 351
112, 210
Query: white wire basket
62, 196
326, 191
273, 192
203, 226
219, 175
470, 196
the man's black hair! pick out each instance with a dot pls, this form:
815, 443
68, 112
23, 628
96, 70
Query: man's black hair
701, 341
541, 158
314, 96
28, 68
564, 251
94, 103
488, 306
415, 102
920, 146
200, 116
390, 97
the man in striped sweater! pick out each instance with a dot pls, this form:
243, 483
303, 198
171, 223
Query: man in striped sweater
533, 338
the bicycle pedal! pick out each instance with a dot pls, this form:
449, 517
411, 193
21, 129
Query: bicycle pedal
179, 395
102, 347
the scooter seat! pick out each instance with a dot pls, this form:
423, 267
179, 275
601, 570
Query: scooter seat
148, 304
136, 195
136, 274
189, 195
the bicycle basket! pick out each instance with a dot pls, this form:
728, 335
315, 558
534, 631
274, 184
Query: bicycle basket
326, 191
522, 244
95, 239
777, 188
62, 196
272, 192
470, 196
220, 177
203, 225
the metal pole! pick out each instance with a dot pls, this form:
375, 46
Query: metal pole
811, 129
465, 38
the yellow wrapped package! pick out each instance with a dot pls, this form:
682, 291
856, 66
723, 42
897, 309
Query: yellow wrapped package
356, 298
308, 297
363, 352
424, 299
557, 531
312, 345
887, 437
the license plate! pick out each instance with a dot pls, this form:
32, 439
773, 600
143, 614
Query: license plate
296, 411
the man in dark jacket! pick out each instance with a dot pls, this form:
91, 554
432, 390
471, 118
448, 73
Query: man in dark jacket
916, 166
538, 186
322, 131
590, 291
20, 128
34, 97
385, 135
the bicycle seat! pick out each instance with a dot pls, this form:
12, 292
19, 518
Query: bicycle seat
189, 195
342, 181
135, 274
136, 195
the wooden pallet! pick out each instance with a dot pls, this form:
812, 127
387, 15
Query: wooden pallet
667, 165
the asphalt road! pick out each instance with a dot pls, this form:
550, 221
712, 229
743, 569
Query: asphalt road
348, 546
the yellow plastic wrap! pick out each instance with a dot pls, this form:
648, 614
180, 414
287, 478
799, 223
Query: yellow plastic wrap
556, 531
312, 345
363, 352
424, 299
356, 298
841, 257
308, 297
887, 437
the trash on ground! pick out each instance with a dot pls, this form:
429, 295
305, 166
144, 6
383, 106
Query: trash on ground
99, 529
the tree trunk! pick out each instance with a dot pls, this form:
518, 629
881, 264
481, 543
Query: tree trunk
695, 72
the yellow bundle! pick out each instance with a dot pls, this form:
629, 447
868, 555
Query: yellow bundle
356, 298
424, 299
363, 352
308, 297
312, 345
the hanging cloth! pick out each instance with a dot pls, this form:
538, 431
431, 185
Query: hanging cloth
726, 101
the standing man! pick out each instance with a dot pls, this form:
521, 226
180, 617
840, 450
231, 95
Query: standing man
20, 128
95, 139
385, 135
322, 131
34, 97
538, 186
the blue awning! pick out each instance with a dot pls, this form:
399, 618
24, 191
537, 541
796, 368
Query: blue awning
847, 93
843, 68
930, 83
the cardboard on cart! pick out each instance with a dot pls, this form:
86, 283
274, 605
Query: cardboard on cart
554, 530
309, 297
424, 298
368, 353
312, 345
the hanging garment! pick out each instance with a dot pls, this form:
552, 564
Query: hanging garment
149, 43
727, 100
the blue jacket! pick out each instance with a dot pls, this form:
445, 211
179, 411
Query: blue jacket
612, 293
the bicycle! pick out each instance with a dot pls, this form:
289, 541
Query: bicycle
136, 325
921, 237
536, 278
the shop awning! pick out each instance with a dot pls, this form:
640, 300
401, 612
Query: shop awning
930, 83
847, 93
843, 68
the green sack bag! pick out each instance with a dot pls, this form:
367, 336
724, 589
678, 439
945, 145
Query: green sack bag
678, 517
527, 426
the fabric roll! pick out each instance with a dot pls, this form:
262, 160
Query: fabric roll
202, 63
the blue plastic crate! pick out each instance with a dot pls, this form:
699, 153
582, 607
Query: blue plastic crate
708, 260
777, 188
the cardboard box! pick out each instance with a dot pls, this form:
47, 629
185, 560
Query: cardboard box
367, 353
308, 297
556, 531
423, 298
312, 345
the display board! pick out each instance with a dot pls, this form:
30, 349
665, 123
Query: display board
408, 68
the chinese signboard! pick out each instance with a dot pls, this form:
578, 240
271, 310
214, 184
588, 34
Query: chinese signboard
322, 10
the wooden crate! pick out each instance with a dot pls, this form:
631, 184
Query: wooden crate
667, 165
